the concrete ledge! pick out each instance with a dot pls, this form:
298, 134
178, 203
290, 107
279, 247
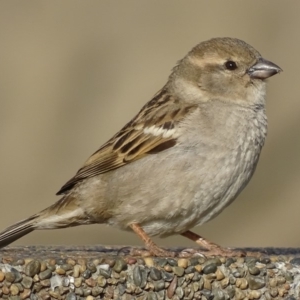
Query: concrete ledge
99, 272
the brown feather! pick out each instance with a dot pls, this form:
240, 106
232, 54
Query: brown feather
133, 141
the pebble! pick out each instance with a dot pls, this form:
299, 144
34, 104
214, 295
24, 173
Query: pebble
46, 274
25, 294
256, 283
149, 262
120, 265
219, 275
76, 271
32, 268
14, 290
128, 278
183, 263
27, 282
155, 274
2, 276
254, 270
10, 277
210, 268
60, 271
179, 271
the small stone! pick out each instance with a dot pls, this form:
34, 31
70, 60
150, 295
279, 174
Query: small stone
254, 294
54, 294
5, 290
155, 274
148, 261
281, 280
96, 291
172, 262
60, 271
219, 295
27, 282
256, 283
45, 274
210, 268
25, 294
179, 271
230, 291
172, 287
179, 292
79, 291
198, 268
168, 268
137, 276
89, 298
2, 276
18, 275
241, 283
43, 266
254, 270
229, 261
196, 277
77, 282
159, 285
66, 267
181, 281
10, 277
207, 284
152, 296
105, 272
71, 261
196, 286
120, 265
207, 294
71, 296
32, 268
167, 276
14, 290
239, 295
91, 266
76, 271
45, 283
265, 260
101, 281
189, 270
224, 282
161, 261
295, 261
183, 263
91, 282
273, 282
87, 274
220, 275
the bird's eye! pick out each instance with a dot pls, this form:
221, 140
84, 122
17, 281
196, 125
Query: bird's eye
230, 65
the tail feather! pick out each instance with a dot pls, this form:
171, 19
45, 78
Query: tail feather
16, 231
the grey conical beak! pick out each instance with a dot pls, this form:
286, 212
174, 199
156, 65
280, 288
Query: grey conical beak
263, 69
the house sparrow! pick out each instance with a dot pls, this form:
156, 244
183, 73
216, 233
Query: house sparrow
181, 160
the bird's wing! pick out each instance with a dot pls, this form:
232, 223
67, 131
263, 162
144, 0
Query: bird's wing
151, 131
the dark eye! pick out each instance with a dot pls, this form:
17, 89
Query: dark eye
230, 65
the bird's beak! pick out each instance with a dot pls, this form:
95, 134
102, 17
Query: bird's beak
263, 69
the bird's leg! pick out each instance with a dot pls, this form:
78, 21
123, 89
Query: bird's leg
212, 248
150, 245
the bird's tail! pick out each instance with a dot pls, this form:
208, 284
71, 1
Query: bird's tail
64, 213
16, 231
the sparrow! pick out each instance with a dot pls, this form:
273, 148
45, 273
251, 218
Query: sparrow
181, 160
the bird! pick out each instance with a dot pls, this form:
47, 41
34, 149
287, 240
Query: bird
181, 160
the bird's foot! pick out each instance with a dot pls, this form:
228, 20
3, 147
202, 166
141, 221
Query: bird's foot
152, 251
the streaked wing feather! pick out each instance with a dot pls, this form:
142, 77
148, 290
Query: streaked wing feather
151, 131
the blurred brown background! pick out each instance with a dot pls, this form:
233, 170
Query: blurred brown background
74, 72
